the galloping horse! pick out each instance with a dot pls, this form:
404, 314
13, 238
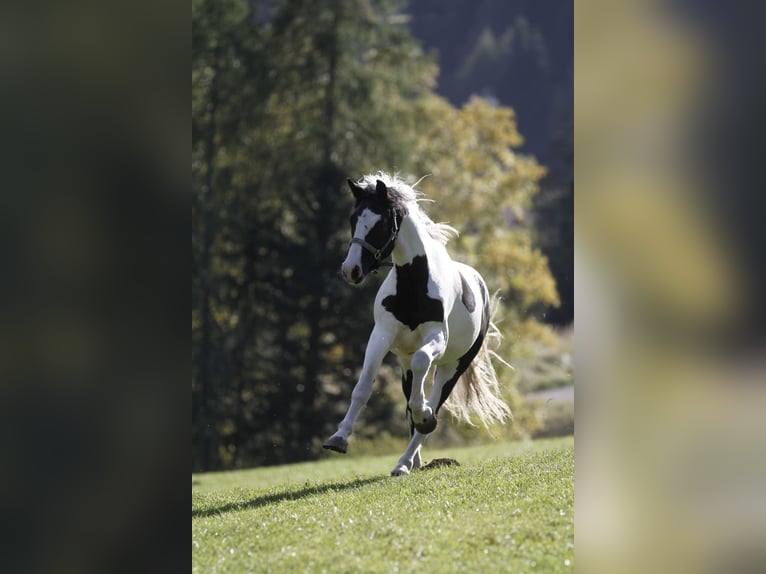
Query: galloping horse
429, 311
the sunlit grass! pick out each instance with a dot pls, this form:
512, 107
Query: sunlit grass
508, 507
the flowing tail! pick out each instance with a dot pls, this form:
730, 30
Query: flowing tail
478, 391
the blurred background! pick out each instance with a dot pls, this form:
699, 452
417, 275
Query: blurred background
670, 472
291, 97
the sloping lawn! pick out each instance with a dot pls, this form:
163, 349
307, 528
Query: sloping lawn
509, 507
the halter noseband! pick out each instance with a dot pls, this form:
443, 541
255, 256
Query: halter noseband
384, 251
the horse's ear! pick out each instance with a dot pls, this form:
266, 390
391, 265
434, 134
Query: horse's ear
380, 189
355, 189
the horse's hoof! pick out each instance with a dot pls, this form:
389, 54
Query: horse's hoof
427, 426
336, 443
400, 470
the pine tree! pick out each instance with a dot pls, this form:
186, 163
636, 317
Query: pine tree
286, 105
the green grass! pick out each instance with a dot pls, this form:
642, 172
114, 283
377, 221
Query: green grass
509, 507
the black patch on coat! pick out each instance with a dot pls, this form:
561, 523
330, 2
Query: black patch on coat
411, 304
407, 388
466, 295
464, 361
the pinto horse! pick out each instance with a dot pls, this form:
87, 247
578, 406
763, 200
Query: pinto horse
430, 311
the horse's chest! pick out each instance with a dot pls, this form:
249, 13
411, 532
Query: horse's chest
411, 304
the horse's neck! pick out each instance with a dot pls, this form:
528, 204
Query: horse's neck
413, 240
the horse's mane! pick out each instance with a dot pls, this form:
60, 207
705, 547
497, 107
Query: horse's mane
404, 197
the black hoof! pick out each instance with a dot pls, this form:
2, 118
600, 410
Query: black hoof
427, 426
336, 443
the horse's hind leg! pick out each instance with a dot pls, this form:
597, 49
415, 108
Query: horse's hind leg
410, 460
407, 388
445, 379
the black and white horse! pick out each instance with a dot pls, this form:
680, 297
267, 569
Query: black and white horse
430, 311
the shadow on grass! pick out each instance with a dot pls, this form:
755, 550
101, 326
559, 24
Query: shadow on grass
277, 497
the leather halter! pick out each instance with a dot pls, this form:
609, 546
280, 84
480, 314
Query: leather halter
384, 251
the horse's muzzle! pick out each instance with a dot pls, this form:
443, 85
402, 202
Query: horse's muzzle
353, 276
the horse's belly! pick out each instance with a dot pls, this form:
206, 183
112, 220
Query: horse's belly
463, 329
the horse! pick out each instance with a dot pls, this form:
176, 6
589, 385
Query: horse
432, 312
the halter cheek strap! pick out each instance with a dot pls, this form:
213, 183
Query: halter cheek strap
384, 251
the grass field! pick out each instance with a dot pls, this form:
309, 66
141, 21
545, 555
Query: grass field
509, 507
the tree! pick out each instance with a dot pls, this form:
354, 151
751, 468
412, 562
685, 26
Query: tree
554, 224
285, 106
485, 189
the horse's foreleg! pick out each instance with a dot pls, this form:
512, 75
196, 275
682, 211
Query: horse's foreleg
423, 414
377, 347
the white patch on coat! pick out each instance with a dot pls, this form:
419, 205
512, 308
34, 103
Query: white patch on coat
366, 221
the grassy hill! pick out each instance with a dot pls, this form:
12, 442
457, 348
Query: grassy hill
508, 507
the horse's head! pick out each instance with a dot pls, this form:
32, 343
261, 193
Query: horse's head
374, 229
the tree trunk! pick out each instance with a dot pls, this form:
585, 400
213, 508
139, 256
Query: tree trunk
328, 181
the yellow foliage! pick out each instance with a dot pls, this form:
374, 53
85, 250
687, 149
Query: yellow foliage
482, 187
